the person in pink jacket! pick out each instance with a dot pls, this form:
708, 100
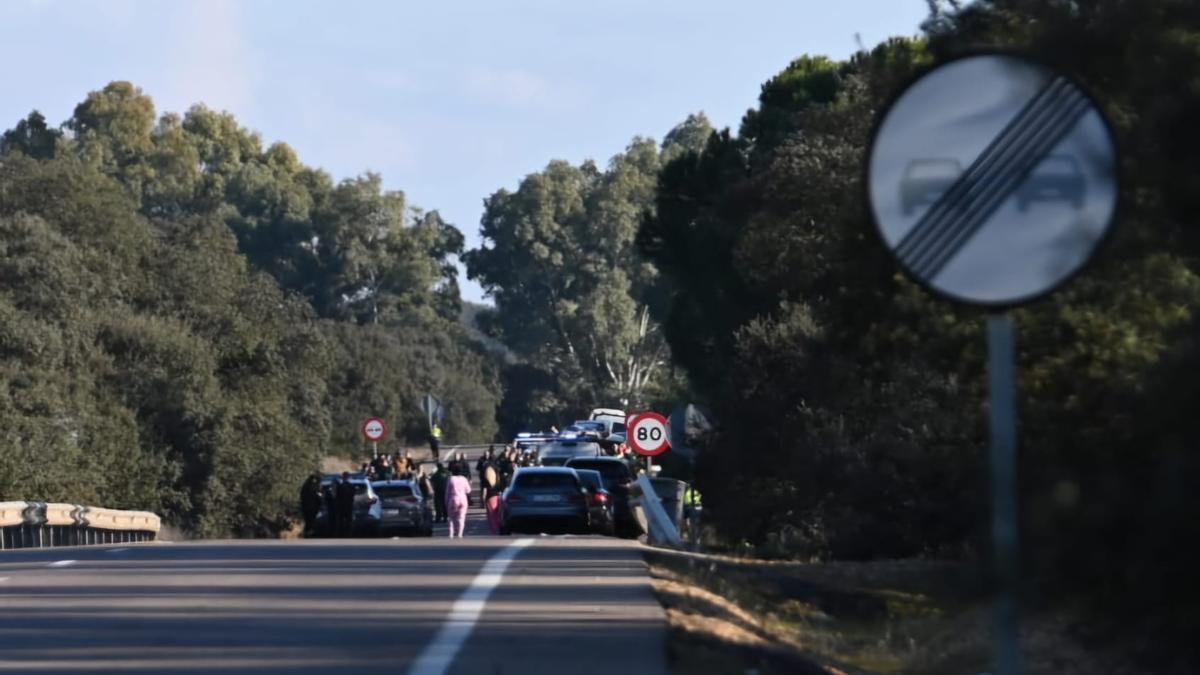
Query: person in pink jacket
458, 489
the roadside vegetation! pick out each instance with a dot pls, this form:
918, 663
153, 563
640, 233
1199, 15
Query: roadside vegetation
190, 321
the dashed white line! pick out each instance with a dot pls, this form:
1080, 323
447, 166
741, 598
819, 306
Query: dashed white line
3, 579
61, 563
116, 550
439, 654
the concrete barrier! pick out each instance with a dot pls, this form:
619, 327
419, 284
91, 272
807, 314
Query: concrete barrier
42, 524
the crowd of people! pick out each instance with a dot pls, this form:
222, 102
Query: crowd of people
448, 486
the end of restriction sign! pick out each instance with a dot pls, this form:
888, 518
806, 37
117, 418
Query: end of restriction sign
992, 179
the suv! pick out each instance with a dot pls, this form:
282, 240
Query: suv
405, 508
542, 498
617, 477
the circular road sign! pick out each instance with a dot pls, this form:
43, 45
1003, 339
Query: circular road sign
992, 179
647, 434
374, 429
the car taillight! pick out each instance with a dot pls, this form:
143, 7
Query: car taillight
600, 498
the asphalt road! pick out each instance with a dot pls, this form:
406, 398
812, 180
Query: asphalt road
574, 605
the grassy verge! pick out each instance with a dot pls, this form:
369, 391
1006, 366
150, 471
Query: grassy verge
731, 615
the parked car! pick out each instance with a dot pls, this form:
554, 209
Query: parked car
563, 449
600, 504
544, 499
368, 511
617, 478
592, 429
405, 508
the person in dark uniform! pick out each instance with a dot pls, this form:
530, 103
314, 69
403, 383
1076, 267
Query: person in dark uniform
345, 506
310, 503
439, 479
329, 495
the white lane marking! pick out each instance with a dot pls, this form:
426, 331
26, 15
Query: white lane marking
437, 656
116, 550
62, 563
3, 579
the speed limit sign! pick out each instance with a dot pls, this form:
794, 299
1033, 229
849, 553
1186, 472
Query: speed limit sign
647, 434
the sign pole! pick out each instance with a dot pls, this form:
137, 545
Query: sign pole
375, 447
1002, 387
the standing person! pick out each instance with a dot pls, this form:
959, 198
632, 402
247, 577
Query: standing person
465, 466
310, 503
410, 466
435, 440
400, 465
487, 480
440, 477
493, 512
329, 494
457, 492
426, 485
345, 506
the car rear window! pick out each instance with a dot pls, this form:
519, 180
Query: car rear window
545, 480
612, 471
393, 491
590, 479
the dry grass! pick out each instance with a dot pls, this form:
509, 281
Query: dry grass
732, 615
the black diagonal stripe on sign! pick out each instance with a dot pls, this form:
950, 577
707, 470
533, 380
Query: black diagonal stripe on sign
938, 215
1000, 174
994, 194
940, 226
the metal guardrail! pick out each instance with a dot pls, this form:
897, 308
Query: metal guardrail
43, 525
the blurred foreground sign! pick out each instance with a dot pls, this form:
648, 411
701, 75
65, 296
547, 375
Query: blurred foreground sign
992, 179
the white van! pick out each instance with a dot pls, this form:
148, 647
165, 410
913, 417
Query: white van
613, 419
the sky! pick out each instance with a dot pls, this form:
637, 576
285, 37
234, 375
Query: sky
448, 100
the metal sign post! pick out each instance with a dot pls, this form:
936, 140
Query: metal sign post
992, 179
1002, 405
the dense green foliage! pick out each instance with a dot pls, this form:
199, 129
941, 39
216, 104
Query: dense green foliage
191, 321
573, 297
851, 403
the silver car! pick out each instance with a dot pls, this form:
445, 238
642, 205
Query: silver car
405, 508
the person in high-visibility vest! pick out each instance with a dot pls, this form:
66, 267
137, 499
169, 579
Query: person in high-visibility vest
435, 440
692, 508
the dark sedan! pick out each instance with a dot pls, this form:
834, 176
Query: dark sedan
617, 478
544, 499
600, 503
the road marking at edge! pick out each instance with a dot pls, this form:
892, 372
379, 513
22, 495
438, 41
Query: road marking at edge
116, 550
62, 563
3, 579
437, 656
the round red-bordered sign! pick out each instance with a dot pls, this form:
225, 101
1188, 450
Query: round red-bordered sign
646, 433
374, 429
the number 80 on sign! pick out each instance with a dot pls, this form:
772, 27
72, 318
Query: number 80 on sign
647, 434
